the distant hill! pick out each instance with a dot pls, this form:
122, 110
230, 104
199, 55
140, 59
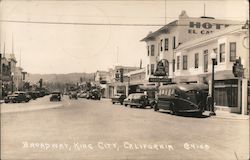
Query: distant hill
60, 78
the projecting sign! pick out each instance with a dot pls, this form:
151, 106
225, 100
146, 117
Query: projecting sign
160, 69
238, 69
160, 80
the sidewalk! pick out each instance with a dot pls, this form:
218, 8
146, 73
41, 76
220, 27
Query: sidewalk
38, 104
227, 115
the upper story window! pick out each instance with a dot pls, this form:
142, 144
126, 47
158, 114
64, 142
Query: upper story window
232, 51
185, 62
178, 62
166, 44
148, 69
196, 60
222, 52
205, 60
173, 65
152, 69
216, 52
148, 50
161, 45
174, 43
152, 50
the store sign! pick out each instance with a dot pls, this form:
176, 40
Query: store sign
168, 80
238, 69
160, 69
204, 27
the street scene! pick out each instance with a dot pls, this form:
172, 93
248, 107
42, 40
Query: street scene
124, 80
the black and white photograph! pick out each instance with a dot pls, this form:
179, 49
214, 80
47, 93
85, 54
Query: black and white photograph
124, 80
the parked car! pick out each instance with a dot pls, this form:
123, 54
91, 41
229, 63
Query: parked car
55, 96
82, 95
32, 94
94, 94
118, 98
182, 98
17, 97
73, 95
137, 100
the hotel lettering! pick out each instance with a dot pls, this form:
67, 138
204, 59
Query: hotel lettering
204, 28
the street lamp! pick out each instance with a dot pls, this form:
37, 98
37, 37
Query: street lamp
213, 58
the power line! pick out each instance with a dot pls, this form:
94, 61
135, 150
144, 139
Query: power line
93, 24
113, 0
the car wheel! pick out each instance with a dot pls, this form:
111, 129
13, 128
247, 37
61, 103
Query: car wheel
156, 108
121, 103
125, 105
113, 102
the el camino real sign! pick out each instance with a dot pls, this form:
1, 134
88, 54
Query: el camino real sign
204, 28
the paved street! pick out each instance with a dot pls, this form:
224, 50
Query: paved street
92, 129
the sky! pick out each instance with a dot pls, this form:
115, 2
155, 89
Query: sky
84, 37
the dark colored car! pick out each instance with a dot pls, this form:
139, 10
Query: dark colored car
32, 94
73, 95
55, 96
118, 98
182, 98
137, 100
94, 94
17, 97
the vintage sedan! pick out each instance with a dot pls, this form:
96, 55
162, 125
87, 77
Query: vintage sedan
17, 97
118, 98
55, 96
137, 100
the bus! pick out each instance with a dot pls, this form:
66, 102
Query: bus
182, 98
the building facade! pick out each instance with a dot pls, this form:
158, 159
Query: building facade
195, 65
185, 46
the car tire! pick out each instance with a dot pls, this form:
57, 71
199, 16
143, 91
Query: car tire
156, 108
113, 102
125, 105
121, 103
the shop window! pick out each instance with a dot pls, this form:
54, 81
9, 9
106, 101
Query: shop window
185, 62
152, 50
178, 62
196, 60
222, 52
232, 51
166, 44
205, 60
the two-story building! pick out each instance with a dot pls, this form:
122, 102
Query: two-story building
162, 43
194, 64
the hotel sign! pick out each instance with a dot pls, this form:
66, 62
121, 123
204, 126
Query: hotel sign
204, 27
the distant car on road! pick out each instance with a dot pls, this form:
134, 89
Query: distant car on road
55, 96
73, 95
137, 100
118, 98
94, 94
